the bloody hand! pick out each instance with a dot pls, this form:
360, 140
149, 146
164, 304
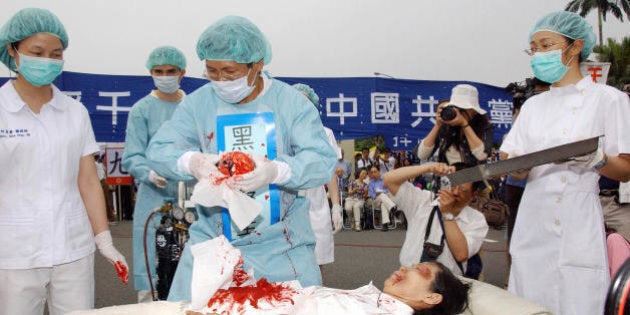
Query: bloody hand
122, 272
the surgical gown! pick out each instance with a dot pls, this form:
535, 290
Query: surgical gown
558, 245
282, 251
145, 118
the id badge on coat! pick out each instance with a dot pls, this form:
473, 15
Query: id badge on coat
250, 133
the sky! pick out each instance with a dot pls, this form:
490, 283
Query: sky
473, 40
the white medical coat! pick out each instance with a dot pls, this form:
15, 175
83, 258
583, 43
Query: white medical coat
319, 214
558, 247
43, 221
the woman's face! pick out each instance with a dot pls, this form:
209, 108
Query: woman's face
39, 45
412, 285
362, 174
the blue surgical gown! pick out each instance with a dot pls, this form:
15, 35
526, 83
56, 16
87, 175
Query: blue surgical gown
145, 118
279, 252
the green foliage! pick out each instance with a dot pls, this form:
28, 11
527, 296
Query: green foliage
603, 7
618, 54
359, 144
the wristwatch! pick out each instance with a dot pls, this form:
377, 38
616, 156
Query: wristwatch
448, 217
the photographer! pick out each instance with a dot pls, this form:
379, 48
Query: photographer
462, 132
445, 229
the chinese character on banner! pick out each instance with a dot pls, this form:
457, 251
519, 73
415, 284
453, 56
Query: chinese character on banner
598, 71
116, 175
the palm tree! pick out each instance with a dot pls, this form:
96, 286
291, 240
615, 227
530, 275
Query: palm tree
603, 7
618, 54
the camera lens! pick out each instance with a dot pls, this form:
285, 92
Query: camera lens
448, 113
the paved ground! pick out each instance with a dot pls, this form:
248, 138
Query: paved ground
360, 257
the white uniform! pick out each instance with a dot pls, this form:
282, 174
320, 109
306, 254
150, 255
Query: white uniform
416, 204
558, 246
43, 220
319, 214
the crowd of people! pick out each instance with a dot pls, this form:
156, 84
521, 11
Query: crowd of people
54, 213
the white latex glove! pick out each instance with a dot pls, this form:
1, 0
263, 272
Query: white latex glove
337, 218
157, 180
105, 246
265, 173
587, 161
204, 166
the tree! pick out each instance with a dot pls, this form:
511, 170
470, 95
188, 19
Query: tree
618, 54
603, 7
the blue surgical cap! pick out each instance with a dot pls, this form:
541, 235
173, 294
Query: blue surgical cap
309, 92
25, 23
236, 39
568, 24
166, 55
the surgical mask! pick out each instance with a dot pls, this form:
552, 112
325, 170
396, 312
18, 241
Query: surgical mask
166, 83
233, 91
548, 66
39, 71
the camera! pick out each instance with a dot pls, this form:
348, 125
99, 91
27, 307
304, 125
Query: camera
521, 91
448, 113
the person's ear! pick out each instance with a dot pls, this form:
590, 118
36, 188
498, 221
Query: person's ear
181, 74
432, 299
257, 66
10, 50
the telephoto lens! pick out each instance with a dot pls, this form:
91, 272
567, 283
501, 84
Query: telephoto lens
448, 113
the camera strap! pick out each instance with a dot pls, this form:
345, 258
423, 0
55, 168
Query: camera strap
427, 232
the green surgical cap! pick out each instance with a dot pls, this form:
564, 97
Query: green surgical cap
570, 25
236, 39
25, 23
309, 92
166, 55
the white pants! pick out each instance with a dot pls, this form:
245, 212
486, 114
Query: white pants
385, 203
353, 208
67, 287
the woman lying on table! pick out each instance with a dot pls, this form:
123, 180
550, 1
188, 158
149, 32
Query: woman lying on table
423, 289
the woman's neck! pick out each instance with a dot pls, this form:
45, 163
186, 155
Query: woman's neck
573, 75
34, 96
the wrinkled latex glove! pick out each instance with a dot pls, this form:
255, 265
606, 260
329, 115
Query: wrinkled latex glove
157, 180
105, 246
204, 166
337, 218
587, 161
265, 173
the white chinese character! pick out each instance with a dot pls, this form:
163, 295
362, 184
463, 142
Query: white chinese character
385, 108
341, 113
114, 108
500, 113
419, 101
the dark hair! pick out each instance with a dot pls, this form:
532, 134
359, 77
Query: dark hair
454, 293
476, 186
453, 135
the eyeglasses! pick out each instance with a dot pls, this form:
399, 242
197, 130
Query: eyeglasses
227, 74
546, 46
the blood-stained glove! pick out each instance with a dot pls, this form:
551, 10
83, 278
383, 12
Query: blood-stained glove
204, 166
105, 246
337, 218
265, 173
157, 180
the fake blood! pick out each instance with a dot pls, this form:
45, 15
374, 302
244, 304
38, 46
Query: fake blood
237, 296
262, 291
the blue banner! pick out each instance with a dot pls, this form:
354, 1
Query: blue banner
403, 111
